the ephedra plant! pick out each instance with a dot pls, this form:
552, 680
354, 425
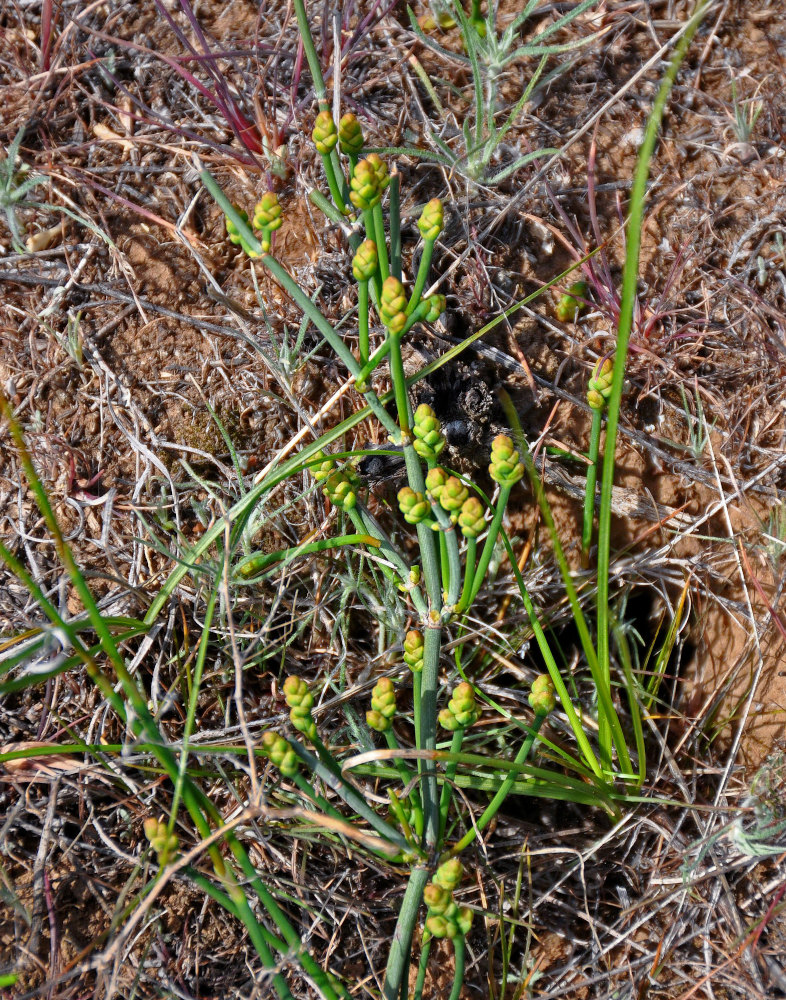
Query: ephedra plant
436, 575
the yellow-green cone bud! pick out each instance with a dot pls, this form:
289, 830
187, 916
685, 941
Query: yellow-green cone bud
232, 231
350, 135
296, 692
449, 873
341, 490
413, 651
267, 212
505, 467
165, 844
462, 706
429, 440
414, 506
463, 917
365, 261
383, 705
300, 701
436, 304
436, 897
376, 720
472, 519
325, 467
435, 481
431, 221
280, 753
453, 494
364, 193
325, 134
570, 307
599, 386
383, 697
380, 169
542, 697
393, 305
437, 926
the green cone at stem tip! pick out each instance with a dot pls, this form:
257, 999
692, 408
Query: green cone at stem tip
445, 919
364, 187
436, 306
350, 135
268, 212
462, 710
543, 698
599, 385
232, 232
165, 844
436, 897
435, 481
380, 170
413, 651
455, 922
449, 873
414, 506
366, 261
429, 440
326, 466
393, 305
431, 221
267, 218
569, 307
505, 467
341, 490
383, 705
453, 494
280, 753
325, 133
472, 518
300, 701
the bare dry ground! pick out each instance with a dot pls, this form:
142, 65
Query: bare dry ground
135, 341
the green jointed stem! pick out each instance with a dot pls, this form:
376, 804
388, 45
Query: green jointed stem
469, 575
329, 771
458, 967
592, 478
428, 722
609, 727
551, 665
363, 347
491, 541
416, 689
449, 554
379, 239
422, 275
403, 771
311, 55
311, 793
336, 192
494, 806
384, 349
447, 789
625, 322
401, 946
257, 563
420, 982
394, 217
